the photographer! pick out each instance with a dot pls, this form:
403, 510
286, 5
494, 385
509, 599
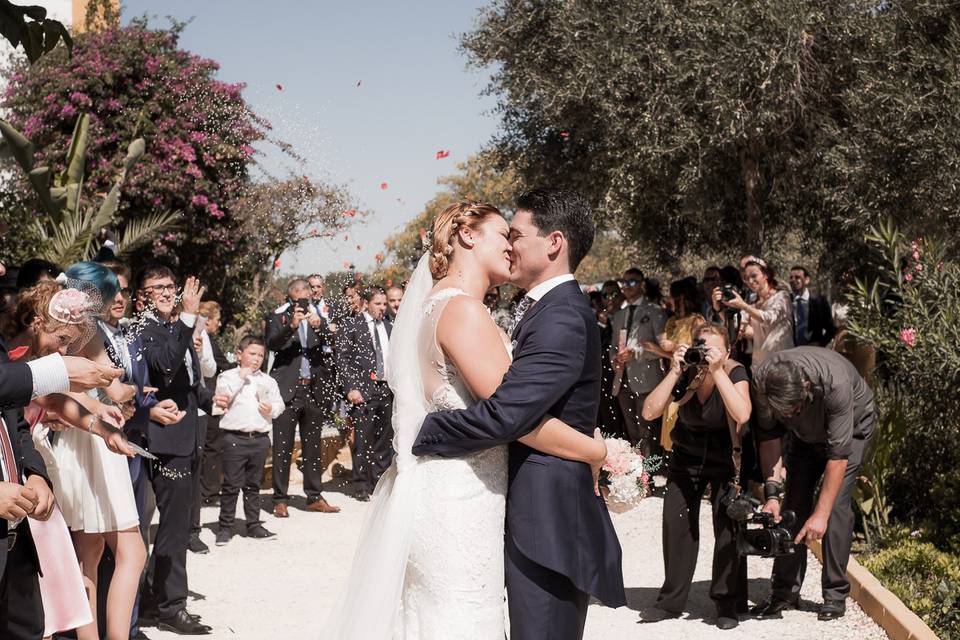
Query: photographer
819, 399
715, 403
770, 318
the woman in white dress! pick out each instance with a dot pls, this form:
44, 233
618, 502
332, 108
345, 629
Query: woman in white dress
429, 563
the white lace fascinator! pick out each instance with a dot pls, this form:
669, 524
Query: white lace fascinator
78, 304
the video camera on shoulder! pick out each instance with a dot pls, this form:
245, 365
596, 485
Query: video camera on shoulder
770, 539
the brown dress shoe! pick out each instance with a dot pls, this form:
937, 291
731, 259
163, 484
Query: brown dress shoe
280, 510
322, 506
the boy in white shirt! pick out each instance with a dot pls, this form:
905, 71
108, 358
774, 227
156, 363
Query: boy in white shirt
251, 400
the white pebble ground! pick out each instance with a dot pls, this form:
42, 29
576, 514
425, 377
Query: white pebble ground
284, 588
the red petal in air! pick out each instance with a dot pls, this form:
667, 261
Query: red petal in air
442, 154
373, 375
564, 134
346, 264
279, 87
359, 248
19, 352
384, 186
350, 213
276, 264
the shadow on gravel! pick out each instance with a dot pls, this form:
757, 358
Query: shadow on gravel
699, 605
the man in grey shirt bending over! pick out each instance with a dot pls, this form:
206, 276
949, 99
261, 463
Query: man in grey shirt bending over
816, 397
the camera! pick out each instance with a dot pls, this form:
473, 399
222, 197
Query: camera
729, 292
696, 356
770, 539
303, 304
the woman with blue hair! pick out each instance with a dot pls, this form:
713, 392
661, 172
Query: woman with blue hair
97, 500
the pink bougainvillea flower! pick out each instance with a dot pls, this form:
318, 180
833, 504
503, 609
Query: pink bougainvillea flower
909, 336
384, 186
442, 154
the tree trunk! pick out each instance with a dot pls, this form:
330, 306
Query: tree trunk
750, 172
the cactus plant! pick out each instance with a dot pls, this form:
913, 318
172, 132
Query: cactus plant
69, 228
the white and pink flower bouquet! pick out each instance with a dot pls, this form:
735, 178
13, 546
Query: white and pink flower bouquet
625, 475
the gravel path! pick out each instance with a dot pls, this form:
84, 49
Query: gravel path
283, 588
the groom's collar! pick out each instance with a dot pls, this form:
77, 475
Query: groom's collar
547, 286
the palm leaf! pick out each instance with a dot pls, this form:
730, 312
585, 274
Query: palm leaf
139, 230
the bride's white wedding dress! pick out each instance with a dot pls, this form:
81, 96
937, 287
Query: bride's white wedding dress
429, 560
454, 582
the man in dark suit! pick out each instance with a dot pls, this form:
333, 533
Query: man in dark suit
303, 367
364, 348
24, 492
175, 370
561, 547
812, 317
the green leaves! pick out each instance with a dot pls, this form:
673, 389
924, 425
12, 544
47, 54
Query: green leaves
38, 35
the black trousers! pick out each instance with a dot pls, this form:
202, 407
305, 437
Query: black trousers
202, 422
687, 478
210, 466
243, 458
543, 603
640, 432
373, 440
303, 410
172, 478
805, 466
21, 610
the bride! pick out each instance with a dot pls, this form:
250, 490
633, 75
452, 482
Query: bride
429, 562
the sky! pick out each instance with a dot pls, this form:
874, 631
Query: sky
415, 97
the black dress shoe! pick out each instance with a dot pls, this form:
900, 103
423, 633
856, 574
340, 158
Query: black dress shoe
725, 624
184, 624
773, 608
362, 496
832, 609
196, 545
260, 532
656, 614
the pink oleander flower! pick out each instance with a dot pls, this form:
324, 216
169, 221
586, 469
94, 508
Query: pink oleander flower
909, 336
908, 277
916, 254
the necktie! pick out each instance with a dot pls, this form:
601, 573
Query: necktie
630, 314
800, 337
378, 349
521, 310
6, 452
304, 360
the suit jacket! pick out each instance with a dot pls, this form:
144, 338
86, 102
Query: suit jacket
137, 427
553, 516
26, 457
819, 321
357, 359
643, 372
165, 347
284, 341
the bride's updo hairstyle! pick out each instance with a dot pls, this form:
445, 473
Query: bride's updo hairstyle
446, 226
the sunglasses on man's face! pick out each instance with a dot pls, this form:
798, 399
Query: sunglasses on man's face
630, 283
611, 295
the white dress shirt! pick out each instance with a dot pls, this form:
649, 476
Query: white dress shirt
243, 414
381, 329
547, 286
49, 375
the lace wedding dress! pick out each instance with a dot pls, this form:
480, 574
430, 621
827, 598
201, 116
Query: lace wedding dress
429, 559
454, 581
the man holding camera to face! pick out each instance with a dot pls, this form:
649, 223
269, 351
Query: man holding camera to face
304, 369
817, 397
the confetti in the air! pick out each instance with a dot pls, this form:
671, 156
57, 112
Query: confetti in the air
442, 154
346, 264
358, 82
279, 87
384, 186
350, 213
359, 247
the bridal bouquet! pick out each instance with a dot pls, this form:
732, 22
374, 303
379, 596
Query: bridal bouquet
625, 475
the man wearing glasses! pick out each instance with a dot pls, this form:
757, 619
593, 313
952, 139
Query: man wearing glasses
639, 368
818, 399
174, 369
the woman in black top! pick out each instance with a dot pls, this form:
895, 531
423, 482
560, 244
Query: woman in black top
717, 398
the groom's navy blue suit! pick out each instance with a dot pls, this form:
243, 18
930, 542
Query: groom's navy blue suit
560, 543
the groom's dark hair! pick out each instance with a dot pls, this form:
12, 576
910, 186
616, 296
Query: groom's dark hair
563, 211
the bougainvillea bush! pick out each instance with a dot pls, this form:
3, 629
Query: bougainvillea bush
199, 131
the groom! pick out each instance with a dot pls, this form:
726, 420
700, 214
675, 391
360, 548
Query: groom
560, 544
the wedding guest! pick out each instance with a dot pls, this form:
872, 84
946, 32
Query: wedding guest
332, 311
643, 321
394, 297
711, 280
493, 303
210, 466
812, 315
305, 371
705, 441
175, 370
364, 350
817, 396
36, 270
770, 318
610, 416
354, 301
251, 402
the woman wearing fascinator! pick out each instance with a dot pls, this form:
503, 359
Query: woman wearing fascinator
91, 481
